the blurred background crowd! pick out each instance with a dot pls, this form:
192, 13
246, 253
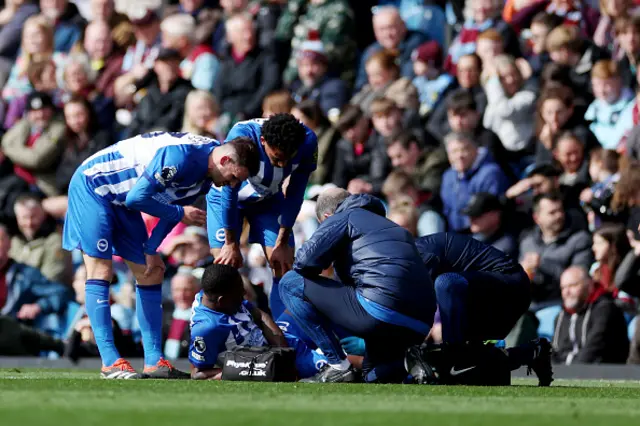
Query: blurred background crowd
515, 121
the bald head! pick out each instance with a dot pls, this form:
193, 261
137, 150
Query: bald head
576, 285
388, 26
98, 42
329, 201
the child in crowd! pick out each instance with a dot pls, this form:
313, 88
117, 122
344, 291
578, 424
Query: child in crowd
431, 81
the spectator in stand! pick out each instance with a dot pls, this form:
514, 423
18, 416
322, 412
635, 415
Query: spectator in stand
122, 31
391, 35
610, 113
426, 16
607, 32
139, 58
575, 13
334, 20
38, 244
67, 22
83, 137
12, 19
631, 141
468, 78
314, 82
177, 314
78, 79
543, 23
37, 44
98, 44
202, 115
485, 15
567, 48
163, 106
278, 102
310, 114
628, 40
489, 46
403, 213
35, 143
42, 77
425, 163
200, 65
556, 113
353, 152
399, 185
511, 104
473, 170
551, 247
206, 18
25, 294
590, 329
603, 171
384, 81
247, 73
569, 153
486, 219
430, 80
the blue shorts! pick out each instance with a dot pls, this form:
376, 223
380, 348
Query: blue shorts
101, 229
262, 216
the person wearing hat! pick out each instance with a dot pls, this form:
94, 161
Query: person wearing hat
139, 58
200, 65
162, 108
313, 83
486, 213
430, 80
34, 144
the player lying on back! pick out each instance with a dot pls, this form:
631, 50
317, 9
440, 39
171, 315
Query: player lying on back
221, 320
481, 293
288, 149
155, 173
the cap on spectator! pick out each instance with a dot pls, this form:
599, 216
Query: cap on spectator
429, 53
167, 54
545, 169
179, 25
481, 203
143, 17
312, 47
39, 100
195, 231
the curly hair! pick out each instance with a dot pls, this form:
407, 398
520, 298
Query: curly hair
284, 132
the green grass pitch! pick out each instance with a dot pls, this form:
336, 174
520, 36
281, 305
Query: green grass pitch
52, 397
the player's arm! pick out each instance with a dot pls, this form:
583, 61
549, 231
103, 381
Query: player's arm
318, 253
270, 329
203, 351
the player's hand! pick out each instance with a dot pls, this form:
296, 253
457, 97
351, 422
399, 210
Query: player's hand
353, 345
230, 254
194, 216
281, 260
29, 311
154, 261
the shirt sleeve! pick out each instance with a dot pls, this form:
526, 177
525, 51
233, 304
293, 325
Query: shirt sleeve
204, 347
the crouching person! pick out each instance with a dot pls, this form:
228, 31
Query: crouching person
222, 320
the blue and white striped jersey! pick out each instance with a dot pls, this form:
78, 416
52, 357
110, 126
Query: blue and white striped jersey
268, 182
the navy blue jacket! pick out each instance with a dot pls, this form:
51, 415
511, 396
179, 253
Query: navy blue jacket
450, 252
372, 254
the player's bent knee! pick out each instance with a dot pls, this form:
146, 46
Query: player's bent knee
450, 283
98, 269
291, 284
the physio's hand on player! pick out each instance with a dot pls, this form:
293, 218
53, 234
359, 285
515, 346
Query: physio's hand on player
230, 254
154, 261
281, 259
29, 311
353, 345
194, 216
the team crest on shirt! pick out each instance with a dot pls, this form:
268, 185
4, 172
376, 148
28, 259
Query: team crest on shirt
200, 345
166, 174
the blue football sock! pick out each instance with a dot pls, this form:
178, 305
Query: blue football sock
99, 312
275, 302
149, 313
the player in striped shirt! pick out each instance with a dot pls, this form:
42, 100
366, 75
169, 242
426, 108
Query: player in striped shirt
155, 173
288, 149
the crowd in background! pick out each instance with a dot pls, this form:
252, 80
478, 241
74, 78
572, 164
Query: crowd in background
515, 121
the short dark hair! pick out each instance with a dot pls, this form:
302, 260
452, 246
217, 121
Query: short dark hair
247, 152
404, 138
461, 100
311, 109
349, 117
554, 196
220, 280
28, 197
284, 132
549, 20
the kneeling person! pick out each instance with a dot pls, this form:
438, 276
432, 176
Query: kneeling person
222, 320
